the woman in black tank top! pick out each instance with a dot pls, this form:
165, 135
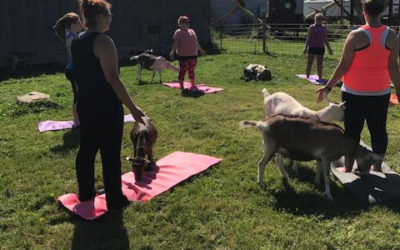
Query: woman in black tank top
100, 98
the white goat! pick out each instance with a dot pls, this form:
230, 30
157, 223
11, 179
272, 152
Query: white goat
284, 104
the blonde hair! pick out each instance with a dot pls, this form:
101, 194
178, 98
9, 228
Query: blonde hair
93, 8
63, 23
318, 16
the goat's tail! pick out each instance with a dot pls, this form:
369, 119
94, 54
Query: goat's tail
170, 65
265, 92
173, 67
260, 124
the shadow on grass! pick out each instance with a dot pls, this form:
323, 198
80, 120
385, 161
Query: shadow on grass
192, 94
21, 109
142, 83
270, 54
70, 142
313, 203
107, 232
35, 70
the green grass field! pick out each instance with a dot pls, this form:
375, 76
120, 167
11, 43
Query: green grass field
222, 208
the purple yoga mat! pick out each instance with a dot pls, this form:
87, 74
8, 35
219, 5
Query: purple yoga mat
313, 79
198, 88
59, 125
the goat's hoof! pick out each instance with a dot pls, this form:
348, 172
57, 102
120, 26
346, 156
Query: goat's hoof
285, 179
262, 185
317, 181
331, 201
329, 198
149, 166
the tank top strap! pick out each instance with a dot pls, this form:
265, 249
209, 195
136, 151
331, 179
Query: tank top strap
376, 35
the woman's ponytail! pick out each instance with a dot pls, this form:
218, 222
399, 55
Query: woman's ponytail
63, 23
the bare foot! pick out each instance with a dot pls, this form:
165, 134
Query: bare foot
343, 170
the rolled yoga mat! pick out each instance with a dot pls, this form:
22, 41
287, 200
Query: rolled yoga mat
168, 172
59, 125
198, 88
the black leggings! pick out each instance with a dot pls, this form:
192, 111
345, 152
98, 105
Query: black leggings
373, 109
100, 128
69, 74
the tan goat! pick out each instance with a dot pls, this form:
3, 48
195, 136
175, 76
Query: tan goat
284, 104
305, 139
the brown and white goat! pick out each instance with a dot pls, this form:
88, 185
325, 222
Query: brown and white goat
143, 138
284, 104
147, 60
305, 139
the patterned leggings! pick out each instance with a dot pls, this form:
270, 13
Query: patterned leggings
187, 65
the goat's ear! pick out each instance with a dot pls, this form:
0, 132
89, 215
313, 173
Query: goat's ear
129, 159
326, 98
343, 104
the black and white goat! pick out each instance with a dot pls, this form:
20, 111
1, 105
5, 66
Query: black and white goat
256, 72
147, 60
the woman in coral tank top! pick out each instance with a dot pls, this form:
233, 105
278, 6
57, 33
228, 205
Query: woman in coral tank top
368, 63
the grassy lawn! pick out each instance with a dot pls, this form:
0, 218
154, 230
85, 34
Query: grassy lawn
222, 208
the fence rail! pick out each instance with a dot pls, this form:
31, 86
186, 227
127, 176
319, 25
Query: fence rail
276, 38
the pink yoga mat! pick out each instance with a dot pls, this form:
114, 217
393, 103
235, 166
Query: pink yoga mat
198, 88
168, 172
313, 79
59, 125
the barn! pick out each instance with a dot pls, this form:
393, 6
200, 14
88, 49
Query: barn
27, 36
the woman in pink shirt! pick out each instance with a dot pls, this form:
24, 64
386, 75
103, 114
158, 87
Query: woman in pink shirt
186, 48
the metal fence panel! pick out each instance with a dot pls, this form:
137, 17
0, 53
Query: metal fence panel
285, 39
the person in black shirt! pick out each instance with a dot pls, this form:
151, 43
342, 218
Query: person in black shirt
100, 97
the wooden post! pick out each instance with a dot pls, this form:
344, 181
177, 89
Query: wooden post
264, 32
220, 36
351, 12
